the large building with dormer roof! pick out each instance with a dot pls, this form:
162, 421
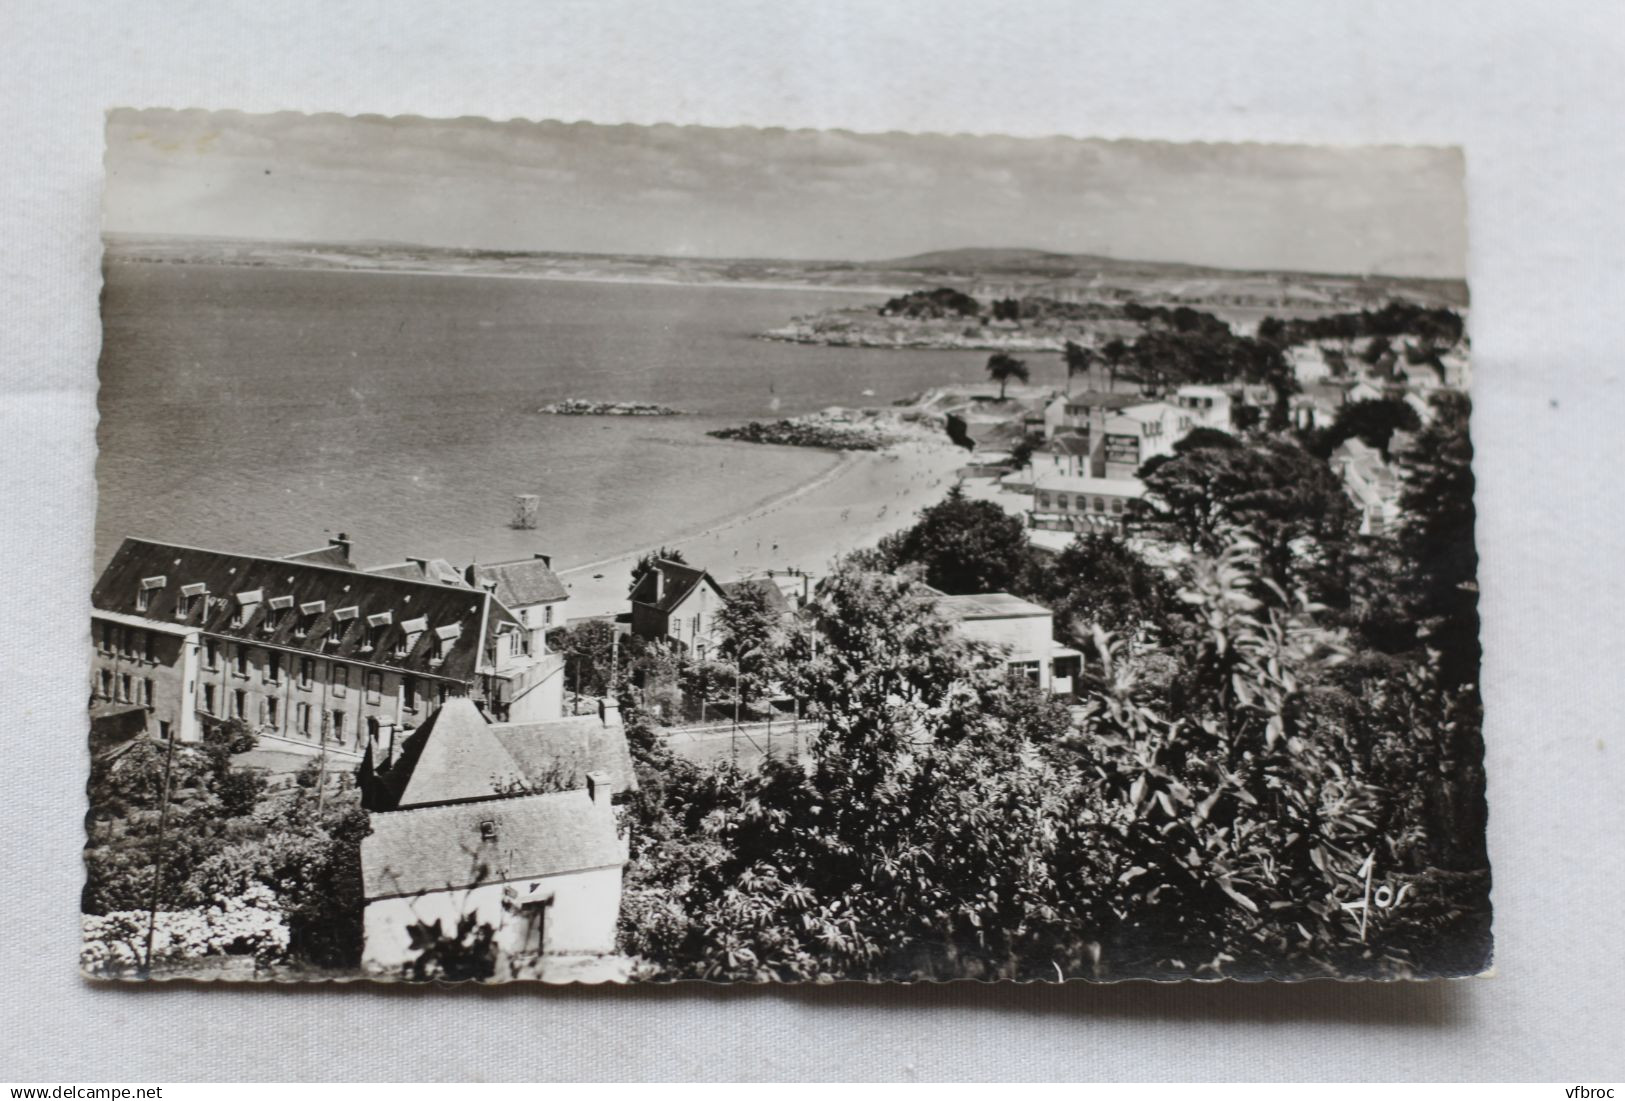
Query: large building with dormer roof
308, 651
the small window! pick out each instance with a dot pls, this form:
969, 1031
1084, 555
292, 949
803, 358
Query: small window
1100, 504
208, 699
163, 729
273, 713
1117, 506
211, 654
338, 727
303, 716
143, 600
375, 687
150, 645
341, 679
488, 830
239, 704
273, 667
547, 616
409, 693
242, 661
146, 691
124, 688
307, 672
109, 637
335, 633
107, 684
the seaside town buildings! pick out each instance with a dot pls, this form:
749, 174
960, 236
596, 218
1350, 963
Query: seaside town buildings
506, 825
1022, 630
310, 652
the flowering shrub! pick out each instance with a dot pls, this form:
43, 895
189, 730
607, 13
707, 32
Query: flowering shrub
250, 924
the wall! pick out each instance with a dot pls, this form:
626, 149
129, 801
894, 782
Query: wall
581, 919
171, 670
1026, 638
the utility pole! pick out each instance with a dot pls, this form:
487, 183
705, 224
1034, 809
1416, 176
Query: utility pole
321, 765
158, 858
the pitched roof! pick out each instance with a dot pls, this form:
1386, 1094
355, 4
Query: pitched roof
771, 593
679, 580
989, 606
453, 757
1078, 483
459, 756
424, 569
306, 598
411, 852
521, 582
330, 555
560, 752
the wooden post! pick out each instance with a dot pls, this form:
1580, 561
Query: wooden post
158, 859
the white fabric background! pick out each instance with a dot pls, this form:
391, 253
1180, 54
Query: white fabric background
1533, 91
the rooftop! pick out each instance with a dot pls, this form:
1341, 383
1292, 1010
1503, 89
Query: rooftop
1079, 483
989, 606
298, 604
522, 582
410, 852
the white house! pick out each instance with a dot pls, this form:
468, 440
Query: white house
1023, 631
1073, 502
526, 842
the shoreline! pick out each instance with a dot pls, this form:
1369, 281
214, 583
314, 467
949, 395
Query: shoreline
843, 461
540, 276
864, 496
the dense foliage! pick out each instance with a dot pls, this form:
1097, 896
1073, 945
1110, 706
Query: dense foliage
226, 839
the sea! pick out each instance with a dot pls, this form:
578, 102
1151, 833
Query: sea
264, 410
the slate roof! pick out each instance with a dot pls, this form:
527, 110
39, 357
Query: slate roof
680, 580
453, 757
521, 582
410, 852
458, 756
563, 751
989, 606
330, 555
287, 588
774, 595
437, 570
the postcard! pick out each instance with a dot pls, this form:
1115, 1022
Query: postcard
581, 553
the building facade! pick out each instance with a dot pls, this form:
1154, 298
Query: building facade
678, 603
307, 651
1023, 632
510, 825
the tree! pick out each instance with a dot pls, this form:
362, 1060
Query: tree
1021, 452
1116, 353
966, 546
1440, 583
589, 655
646, 562
1079, 360
1273, 492
1374, 422
1099, 580
1002, 367
751, 637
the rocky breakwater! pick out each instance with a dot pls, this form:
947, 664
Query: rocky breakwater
575, 407
835, 430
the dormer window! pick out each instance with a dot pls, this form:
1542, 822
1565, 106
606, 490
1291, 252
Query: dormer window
341, 624
411, 631
275, 611
309, 612
143, 595
246, 603
377, 625
190, 595
444, 639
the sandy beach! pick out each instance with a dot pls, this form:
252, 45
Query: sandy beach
867, 495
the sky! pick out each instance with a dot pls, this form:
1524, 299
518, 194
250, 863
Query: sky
789, 194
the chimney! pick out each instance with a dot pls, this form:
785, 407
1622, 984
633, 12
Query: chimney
547, 559
342, 542
600, 788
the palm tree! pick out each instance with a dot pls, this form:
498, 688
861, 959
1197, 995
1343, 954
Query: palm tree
1116, 353
1079, 360
1002, 367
